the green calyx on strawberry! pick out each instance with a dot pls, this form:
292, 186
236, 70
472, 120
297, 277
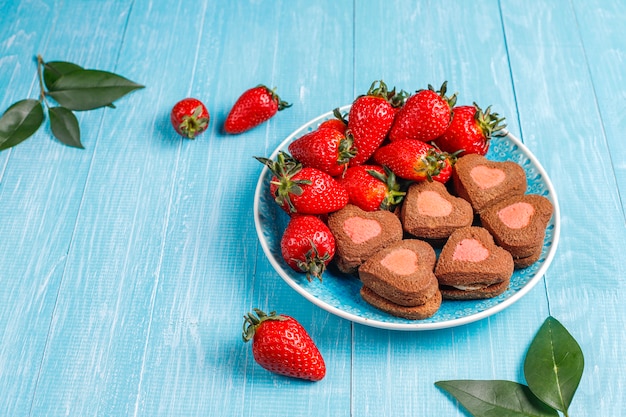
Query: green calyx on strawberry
284, 169
490, 123
394, 194
393, 97
442, 93
412, 159
307, 245
281, 345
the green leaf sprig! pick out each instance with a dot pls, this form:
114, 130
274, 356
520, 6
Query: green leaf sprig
73, 88
553, 369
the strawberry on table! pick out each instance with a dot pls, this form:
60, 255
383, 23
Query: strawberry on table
370, 119
424, 116
281, 345
303, 190
307, 245
325, 148
471, 130
372, 187
189, 117
252, 108
412, 159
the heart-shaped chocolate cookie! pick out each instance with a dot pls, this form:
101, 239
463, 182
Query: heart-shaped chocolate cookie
430, 212
472, 266
483, 182
518, 223
359, 234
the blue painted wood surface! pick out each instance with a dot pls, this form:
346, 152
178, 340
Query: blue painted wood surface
127, 266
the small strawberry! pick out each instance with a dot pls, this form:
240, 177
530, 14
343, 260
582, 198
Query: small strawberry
445, 172
189, 117
471, 130
424, 116
339, 122
281, 345
411, 159
325, 148
372, 187
303, 190
307, 245
252, 108
370, 119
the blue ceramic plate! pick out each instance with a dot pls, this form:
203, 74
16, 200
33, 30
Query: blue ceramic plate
339, 293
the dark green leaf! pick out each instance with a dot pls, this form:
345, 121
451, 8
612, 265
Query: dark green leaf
496, 398
90, 89
554, 365
52, 71
20, 122
64, 126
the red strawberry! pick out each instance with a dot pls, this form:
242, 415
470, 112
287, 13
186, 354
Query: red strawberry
252, 108
424, 116
307, 245
325, 148
281, 345
370, 119
445, 172
339, 122
372, 187
411, 159
189, 117
303, 190
470, 130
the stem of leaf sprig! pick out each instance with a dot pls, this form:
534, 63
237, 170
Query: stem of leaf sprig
73, 88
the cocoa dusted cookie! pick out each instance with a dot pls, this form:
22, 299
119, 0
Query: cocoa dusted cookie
430, 212
360, 234
483, 182
419, 312
472, 266
518, 224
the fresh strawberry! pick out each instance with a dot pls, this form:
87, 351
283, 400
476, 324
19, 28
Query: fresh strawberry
281, 345
189, 117
339, 122
325, 148
303, 190
372, 187
424, 116
307, 245
411, 159
252, 108
370, 119
445, 172
471, 130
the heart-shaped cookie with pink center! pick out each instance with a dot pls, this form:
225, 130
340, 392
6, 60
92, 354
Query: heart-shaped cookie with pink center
484, 182
472, 266
430, 212
518, 223
359, 234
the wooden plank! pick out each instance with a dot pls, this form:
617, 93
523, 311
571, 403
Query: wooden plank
552, 57
464, 44
42, 183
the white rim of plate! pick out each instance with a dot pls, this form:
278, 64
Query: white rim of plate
417, 325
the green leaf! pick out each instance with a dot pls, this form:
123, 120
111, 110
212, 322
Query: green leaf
554, 365
90, 89
19, 122
496, 398
64, 126
52, 71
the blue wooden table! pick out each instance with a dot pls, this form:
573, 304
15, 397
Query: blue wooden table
127, 266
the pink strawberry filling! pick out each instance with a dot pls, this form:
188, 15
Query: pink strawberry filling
431, 203
486, 177
361, 230
400, 261
517, 215
470, 250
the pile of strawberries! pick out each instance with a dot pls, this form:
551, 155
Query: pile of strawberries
368, 158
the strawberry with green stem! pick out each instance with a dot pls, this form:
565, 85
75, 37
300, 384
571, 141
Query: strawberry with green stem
307, 245
255, 106
412, 159
370, 118
303, 190
373, 187
325, 148
189, 117
281, 345
471, 130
